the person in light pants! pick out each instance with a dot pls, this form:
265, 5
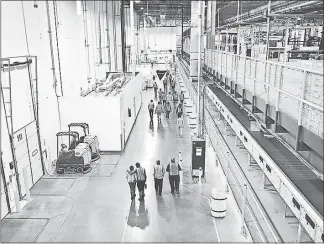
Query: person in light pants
180, 124
131, 179
158, 174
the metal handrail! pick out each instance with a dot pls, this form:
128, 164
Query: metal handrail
270, 62
241, 173
316, 106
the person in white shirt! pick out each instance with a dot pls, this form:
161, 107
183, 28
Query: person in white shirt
131, 179
158, 174
169, 97
180, 124
151, 110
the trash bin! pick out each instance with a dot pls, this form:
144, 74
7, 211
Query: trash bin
218, 203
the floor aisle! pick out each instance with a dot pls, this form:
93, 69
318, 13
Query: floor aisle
97, 207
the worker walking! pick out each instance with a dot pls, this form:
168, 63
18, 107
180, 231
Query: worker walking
151, 110
160, 95
158, 174
180, 125
179, 110
173, 84
167, 110
141, 181
155, 87
165, 84
131, 179
169, 98
164, 98
181, 97
175, 99
159, 111
174, 178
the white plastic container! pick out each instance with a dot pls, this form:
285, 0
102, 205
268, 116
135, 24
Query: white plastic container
218, 204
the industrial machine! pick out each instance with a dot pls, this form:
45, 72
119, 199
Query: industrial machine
198, 160
75, 158
91, 140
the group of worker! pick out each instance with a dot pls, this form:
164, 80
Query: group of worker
164, 103
138, 177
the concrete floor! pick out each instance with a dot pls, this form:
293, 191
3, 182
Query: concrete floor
96, 207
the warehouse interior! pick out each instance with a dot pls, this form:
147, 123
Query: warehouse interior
82, 73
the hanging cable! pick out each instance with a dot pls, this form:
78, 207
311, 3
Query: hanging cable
99, 33
93, 34
86, 41
53, 63
31, 104
56, 22
108, 37
23, 10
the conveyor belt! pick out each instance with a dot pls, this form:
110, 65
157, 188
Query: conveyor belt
302, 177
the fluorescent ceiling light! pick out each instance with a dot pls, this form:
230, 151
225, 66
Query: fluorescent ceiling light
79, 7
142, 8
138, 1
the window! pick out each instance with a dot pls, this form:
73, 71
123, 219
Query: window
296, 204
34, 152
310, 221
261, 159
268, 168
245, 139
241, 134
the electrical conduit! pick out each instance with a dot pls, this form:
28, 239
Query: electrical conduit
53, 63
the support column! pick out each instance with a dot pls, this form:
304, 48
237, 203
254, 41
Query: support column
182, 32
123, 39
179, 37
132, 34
213, 17
194, 39
108, 36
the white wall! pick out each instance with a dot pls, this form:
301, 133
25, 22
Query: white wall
101, 113
159, 37
14, 44
73, 53
131, 98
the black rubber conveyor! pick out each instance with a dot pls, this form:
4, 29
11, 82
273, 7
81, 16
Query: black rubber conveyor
301, 176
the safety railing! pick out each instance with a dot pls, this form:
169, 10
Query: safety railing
256, 219
296, 92
186, 57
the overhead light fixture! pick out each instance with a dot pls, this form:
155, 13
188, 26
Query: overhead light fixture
79, 7
137, 1
142, 8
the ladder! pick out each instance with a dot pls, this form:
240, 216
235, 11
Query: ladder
7, 103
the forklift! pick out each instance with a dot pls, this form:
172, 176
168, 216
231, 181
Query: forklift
89, 139
73, 159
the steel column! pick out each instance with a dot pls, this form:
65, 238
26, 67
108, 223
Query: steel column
300, 112
108, 37
286, 41
123, 39
132, 37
